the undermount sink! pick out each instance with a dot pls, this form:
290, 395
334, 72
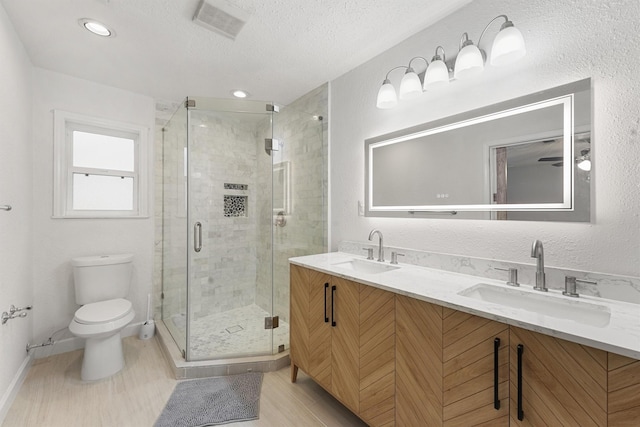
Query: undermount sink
364, 266
546, 305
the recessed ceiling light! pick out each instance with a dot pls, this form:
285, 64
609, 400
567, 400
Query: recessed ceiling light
96, 27
239, 93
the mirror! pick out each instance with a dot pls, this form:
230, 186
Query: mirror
514, 160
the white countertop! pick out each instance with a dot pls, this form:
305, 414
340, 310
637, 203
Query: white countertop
620, 335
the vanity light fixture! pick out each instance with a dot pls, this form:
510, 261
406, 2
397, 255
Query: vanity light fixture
387, 97
97, 28
508, 47
411, 86
437, 74
470, 61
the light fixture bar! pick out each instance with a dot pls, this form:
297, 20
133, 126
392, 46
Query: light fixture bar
508, 47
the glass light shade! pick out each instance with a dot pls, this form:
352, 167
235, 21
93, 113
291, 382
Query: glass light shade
468, 63
585, 165
508, 47
437, 75
387, 97
410, 86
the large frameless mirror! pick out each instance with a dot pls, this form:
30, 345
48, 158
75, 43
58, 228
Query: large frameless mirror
528, 158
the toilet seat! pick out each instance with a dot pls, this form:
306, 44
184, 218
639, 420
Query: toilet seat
103, 311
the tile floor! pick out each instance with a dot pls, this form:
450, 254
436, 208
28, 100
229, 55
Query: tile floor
53, 395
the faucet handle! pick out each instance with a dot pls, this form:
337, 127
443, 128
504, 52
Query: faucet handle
369, 252
570, 286
513, 275
394, 257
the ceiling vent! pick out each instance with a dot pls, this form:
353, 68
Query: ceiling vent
221, 16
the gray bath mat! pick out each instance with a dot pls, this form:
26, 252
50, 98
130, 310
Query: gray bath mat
213, 401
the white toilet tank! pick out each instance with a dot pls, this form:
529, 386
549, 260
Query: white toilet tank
102, 277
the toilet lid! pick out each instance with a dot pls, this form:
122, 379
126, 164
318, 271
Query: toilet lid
103, 311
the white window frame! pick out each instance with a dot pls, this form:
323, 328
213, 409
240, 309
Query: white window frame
64, 125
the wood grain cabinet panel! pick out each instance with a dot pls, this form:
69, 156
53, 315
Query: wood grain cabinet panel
563, 383
377, 356
418, 363
319, 366
345, 338
470, 353
299, 319
624, 391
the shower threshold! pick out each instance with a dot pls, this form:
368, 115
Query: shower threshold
215, 368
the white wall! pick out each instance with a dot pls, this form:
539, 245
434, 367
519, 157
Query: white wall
566, 41
58, 240
15, 190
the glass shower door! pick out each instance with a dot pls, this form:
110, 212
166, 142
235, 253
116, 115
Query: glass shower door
230, 234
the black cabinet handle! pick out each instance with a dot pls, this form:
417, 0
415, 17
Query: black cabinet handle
326, 318
333, 293
520, 411
496, 348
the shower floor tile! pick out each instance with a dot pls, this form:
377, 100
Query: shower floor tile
237, 332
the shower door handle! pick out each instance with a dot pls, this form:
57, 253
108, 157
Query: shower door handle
197, 236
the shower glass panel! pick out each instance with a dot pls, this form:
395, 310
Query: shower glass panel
235, 209
174, 227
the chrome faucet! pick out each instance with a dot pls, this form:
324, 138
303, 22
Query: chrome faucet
381, 246
537, 252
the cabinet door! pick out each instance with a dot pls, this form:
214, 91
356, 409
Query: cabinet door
299, 319
418, 363
476, 366
562, 383
377, 356
320, 328
624, 391
345, 351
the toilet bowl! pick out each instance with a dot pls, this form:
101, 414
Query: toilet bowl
101, 284
100, 324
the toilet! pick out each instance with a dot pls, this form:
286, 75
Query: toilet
101, 285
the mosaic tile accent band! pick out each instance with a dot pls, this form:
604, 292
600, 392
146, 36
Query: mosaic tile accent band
228, 186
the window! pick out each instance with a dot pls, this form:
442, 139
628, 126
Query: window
100, 168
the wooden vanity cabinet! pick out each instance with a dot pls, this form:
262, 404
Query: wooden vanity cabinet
556, 382
475, 356
418, 363
324, 332
449, 365
397, 360
623, 391
343, 336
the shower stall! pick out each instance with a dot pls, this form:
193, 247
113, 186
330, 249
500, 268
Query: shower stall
243, 190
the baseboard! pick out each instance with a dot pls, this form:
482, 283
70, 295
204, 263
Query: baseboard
12, 391
74, 343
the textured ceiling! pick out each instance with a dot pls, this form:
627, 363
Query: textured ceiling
286, 48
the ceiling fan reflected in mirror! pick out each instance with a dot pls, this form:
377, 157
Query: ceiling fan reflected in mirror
583, 161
